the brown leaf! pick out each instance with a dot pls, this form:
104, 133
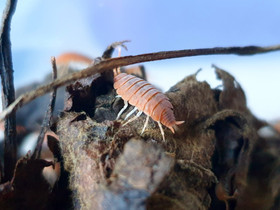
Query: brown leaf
263, 183
80, 95
233, 97
53, 144
28, 188
193, 101
235, 138
6, 190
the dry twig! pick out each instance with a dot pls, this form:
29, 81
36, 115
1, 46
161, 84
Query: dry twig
48, 116
6, 66
108, 64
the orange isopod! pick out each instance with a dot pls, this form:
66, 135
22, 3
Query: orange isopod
146, 98
137, 92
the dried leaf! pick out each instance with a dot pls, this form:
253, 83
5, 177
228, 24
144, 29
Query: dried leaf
80, 95
29, 188
53, 144
232, 97
263, 189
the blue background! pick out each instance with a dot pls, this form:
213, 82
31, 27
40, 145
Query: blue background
41, 29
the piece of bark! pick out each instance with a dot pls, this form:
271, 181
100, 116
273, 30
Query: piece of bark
95, 160
137, 174
211, 150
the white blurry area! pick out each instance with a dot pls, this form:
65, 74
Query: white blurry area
41, 29
258, 75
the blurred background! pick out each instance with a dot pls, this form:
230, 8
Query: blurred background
41, 29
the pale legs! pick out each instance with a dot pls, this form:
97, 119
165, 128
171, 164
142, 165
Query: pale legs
133, 118
145, 125
136, 116
122, 110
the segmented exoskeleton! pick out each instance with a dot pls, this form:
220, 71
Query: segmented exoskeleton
146, 98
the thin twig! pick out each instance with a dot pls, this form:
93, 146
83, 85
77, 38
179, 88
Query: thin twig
6, 66
48, 116
109, 64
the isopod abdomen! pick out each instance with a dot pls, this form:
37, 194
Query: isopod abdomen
146, 98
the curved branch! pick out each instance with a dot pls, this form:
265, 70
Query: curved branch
108, 64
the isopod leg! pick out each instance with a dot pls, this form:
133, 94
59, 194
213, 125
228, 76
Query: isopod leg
133, 118
130, 113
122, 110
161, 130
145, 125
